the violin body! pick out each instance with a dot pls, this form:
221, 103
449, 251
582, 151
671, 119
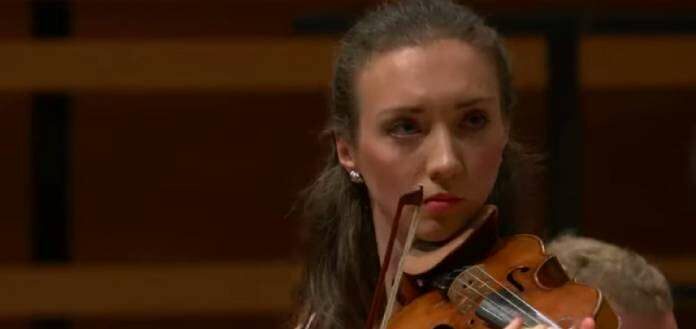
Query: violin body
515, 279
477, 280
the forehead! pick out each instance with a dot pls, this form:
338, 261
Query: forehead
435, 73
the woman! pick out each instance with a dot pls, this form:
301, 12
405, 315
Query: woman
421, 96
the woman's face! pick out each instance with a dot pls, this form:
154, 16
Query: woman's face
429, 115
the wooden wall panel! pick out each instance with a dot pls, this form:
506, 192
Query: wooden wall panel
685, 314
260, 321
637, 146
15, 324
15, 171
190, 177
191, 18
146, 291
258, 64
182, 64
599, 8
638, 62
214, 18
15, 19
679, 270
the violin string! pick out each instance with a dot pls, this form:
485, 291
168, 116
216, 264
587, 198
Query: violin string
484, 296
497, 293
538, 316
500, 315
497, 309
529, 318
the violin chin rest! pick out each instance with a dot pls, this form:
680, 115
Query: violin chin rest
551, 274
420, 261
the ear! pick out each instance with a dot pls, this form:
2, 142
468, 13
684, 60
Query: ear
346, 153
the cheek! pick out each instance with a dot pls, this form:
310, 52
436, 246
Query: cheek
484, 168
489, 161
385, 173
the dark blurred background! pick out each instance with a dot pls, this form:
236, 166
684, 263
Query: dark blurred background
150, 150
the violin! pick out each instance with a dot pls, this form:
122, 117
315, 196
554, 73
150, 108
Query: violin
479, 280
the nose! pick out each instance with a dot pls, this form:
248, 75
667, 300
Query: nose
445, 158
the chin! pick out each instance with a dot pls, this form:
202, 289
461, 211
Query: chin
431, 230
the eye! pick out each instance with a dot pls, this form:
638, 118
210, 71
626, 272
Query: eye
404, 127
475, 120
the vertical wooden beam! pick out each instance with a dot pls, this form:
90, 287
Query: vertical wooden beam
50, 18
565, 125
51, 156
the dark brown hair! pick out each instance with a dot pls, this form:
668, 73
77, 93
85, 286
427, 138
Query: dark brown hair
342, 262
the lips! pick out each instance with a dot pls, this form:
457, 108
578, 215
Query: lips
441, 203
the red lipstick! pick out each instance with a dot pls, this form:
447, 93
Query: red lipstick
441, 203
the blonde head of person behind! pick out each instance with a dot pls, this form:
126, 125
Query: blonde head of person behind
638, 292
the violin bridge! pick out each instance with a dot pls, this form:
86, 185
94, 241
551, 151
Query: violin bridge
464, 292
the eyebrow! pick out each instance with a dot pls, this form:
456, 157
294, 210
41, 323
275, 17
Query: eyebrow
400, 110
416, 109
474, 101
